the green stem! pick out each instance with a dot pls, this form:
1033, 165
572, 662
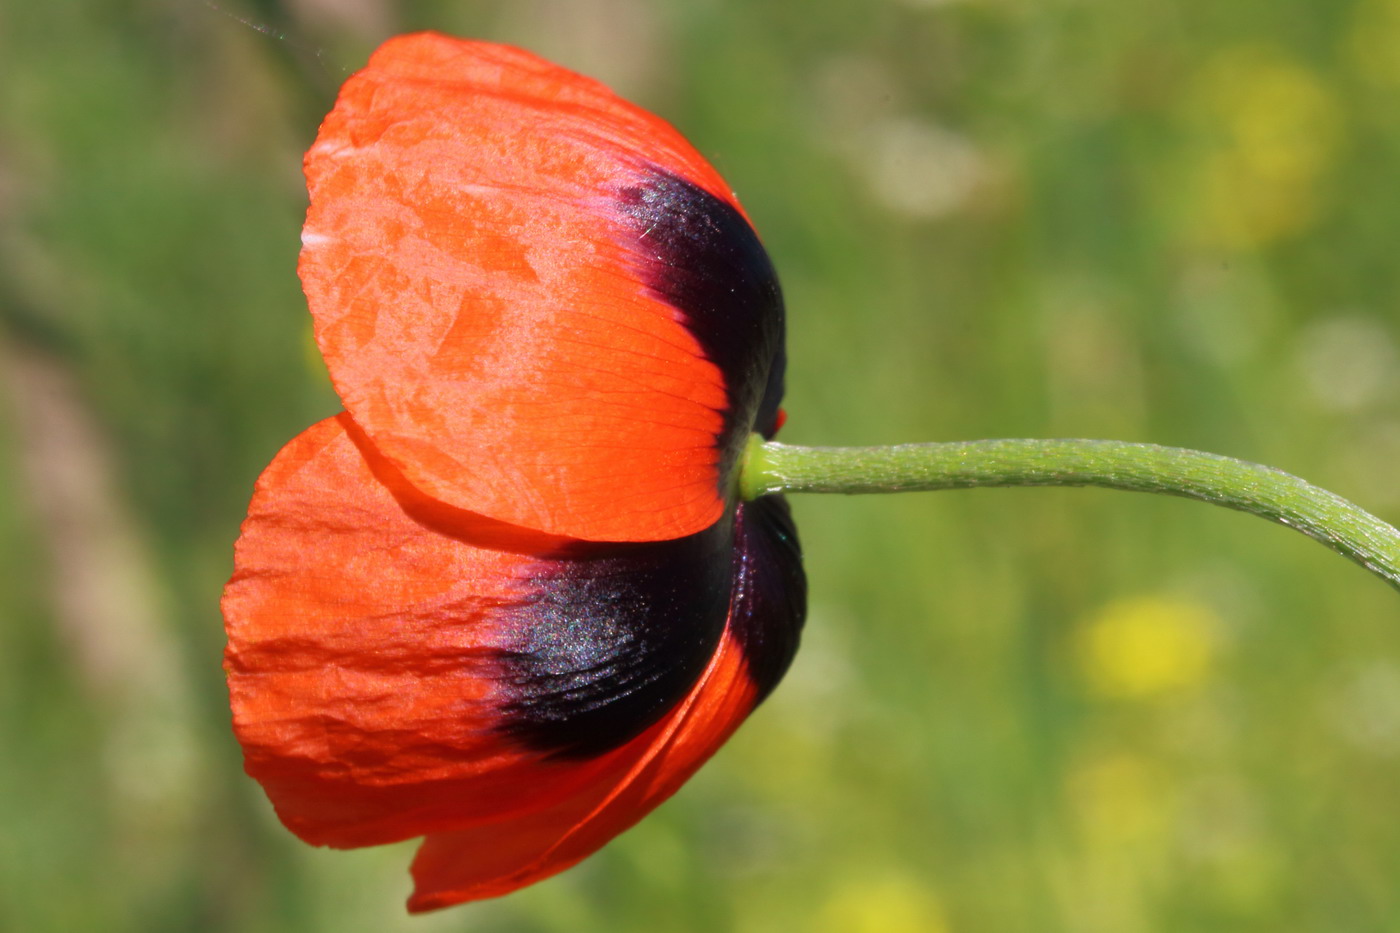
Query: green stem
1249, 487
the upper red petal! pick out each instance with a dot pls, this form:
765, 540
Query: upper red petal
481, 316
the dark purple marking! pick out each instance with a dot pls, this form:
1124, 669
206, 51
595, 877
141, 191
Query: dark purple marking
697, 253
616, 635
770, 590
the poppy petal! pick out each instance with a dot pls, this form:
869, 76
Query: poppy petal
397, 667
502, 314
496, 858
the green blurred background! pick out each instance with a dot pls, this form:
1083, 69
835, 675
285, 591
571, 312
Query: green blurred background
1016, 710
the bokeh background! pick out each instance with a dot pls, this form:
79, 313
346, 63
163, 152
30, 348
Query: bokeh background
1015, 710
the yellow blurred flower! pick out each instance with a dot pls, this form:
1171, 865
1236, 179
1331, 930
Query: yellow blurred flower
1271, 130
1144, 647
886, 903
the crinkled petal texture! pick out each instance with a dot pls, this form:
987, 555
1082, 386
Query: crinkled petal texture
399, 667
539, 302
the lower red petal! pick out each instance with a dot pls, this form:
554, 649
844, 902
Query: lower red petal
360, 652
366, 627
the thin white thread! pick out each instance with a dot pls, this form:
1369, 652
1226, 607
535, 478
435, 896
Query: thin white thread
318, 52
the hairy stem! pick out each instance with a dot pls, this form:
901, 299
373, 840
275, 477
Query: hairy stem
1280, 497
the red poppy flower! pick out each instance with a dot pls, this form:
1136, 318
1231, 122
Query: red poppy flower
508, 600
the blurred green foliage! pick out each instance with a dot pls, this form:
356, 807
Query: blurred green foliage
1048, 710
